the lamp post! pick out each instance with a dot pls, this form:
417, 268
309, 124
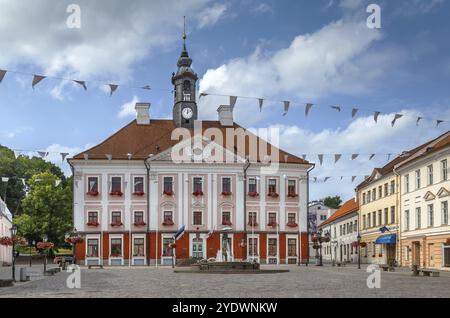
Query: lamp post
45, 239
359, 250
31, 244
321, 238
13, 236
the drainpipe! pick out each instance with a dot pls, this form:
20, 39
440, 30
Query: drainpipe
246, 166
398, 204
73, 204
307, 214
147, 166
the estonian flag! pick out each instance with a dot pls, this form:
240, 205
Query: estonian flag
179, 233
384, 229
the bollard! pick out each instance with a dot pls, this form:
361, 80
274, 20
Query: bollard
23, 274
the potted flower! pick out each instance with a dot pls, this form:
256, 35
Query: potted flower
253, 194
252, 223
272, 224
92, 193
116, 224
139, 193
292, 224
168, 192
93, 223
292, 195
168, 222
226, 222
140, 223
15, 240
197, 193
44, 245
116, 193
273, 195
226, 193
74, 240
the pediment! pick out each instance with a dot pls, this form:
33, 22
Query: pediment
429, 196
443, 192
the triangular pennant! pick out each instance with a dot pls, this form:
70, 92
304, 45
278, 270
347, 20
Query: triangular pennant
63, 156
5, 179
42, 154
146, 87
396, 117
286, 158
109, 157
336, 108
354, 156
2, 75
308, 108
326, 179
286, 107
233, 100
337, 157
82, 83
23, 181
353, 178
375, 116
57, 183
320, 159
36, 80
129, 156
438, 122
303, 157
17, 153
261, 101
315, 179
112, 88
86, 156
202, 95
371, 156
418, 120
354, 112
389, 156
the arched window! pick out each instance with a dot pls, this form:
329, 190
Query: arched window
186, 86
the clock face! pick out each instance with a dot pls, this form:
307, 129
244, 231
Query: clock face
187, 113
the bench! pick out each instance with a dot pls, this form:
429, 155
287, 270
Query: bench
386, 268
430, 272
98, 266
52, 271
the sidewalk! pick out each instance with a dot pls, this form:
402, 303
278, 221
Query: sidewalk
36, 271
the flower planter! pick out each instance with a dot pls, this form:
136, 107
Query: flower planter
253, 224
44, 245
92, 193
16, 240
226, 194
197, 193
139, 194
292, 195
116, 194
227, 223
116, 224
168, 223
168, 193
74, 240
93, 224
253, 194
273, 195
142, 223
292, 225
272, 224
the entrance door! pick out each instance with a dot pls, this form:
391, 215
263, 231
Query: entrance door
447, 256
390, 251
197, 248
416, 253
430, 251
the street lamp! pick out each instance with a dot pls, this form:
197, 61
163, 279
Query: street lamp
13, 238
359, 250
31, 244
320, 238
45, 239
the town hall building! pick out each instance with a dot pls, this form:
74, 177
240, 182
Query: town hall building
131, 196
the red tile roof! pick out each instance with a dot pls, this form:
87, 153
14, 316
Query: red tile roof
142, 140
348, 207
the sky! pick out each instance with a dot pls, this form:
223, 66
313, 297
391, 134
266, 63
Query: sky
318, 52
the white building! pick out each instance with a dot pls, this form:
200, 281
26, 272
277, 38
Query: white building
5, 230
317, 214
425, 199
343, 229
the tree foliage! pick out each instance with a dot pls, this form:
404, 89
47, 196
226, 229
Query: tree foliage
333, 202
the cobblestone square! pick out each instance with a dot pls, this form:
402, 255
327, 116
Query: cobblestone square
300, 282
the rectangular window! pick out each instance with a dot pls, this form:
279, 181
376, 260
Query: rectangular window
392, 214
186, 97
418, 218
116, 184
252, 185
344, 229
323, 217
364, 222
386, 189
386, 215
444, 169
272, 218
417, 179
138, 217
253, 246
226, 185
168, 184
168, 216
444, 209
138, 248
407, 220
380, 191
272, 247
198, 218
198, 185
340, 230
272, 186
92, 248
167, 250
291, 218
407, 183
93, 217
292, 247
374, 219
380, 217
369, 225
430, 215
116, 247
430, 174
93, 184
291, 187
116, 217
252, 219
374, 194
364, 198
392, 187
355, 226
226, 218
138, 185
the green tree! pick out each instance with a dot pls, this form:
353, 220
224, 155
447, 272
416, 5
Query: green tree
48, 209
332, 202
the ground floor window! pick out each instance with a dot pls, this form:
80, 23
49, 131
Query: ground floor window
272, 247
116, 247
197, 248
167, 250
292, 247
139, 247
92, 248
253, 246
446, 256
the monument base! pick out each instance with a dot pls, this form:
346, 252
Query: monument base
228, 268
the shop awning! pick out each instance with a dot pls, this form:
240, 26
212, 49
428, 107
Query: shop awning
386, 239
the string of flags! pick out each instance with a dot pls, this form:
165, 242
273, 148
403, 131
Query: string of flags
338, 156
336, 178
309, 106
37, 78
41, 154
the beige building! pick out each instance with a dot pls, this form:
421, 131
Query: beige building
425, 197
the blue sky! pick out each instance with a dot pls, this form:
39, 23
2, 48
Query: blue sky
307, 51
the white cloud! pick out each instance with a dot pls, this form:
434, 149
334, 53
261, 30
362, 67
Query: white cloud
54, 155
350, 4
17, 131
262, 8
127, 109
211, 15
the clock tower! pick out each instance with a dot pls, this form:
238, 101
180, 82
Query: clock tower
184, 81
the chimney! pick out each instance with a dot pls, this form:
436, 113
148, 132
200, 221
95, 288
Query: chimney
142, 113
225, 115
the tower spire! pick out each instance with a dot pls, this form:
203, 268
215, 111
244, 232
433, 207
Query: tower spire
184, 33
